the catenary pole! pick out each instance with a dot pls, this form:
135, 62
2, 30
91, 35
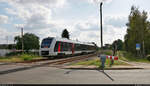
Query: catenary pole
101, 33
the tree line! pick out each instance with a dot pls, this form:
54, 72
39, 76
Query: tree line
138, 31
31, 41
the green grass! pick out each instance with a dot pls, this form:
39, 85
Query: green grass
28, 57
96, 62
19, 58
106, 52
126, 56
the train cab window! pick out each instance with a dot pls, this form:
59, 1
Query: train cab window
46, 42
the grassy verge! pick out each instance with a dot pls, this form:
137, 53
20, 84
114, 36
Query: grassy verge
129, 57
96, 62
19, 58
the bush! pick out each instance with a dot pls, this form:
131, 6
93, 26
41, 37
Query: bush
20, 52
26, 57
13, 53
108, 52
148, 57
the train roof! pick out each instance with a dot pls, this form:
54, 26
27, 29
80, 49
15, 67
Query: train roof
71, 41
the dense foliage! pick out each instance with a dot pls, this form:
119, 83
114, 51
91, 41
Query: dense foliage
65, 34
31, 41
118, 45
138, 31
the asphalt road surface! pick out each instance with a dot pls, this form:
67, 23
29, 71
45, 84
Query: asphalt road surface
52, 75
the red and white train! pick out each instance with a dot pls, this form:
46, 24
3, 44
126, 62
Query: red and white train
52, 46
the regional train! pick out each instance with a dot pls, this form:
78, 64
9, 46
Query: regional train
52, 46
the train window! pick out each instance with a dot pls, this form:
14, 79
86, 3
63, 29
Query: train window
84, 47
78, 47
75, 45
70, 46
62, 46
56, 46
65, 47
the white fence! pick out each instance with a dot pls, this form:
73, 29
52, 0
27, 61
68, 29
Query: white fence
3, 52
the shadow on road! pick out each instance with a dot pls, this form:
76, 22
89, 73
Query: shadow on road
21, 69
106, 74
102, 71
6, 63
68, 72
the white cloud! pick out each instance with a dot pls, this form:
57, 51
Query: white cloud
99, 1
3, 19
6, 35
36, 14
112, 33
117, 21
88, 30
47, 3
37, 18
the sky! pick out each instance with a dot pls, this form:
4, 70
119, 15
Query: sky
48, 18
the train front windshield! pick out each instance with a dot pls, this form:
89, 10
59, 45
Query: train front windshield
46, 43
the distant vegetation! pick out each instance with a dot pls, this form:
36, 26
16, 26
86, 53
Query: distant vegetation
119, 45
65, 34
127, 56
30, 41
7, 46
138, 31
19, 58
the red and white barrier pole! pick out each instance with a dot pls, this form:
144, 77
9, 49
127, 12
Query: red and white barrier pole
112, 57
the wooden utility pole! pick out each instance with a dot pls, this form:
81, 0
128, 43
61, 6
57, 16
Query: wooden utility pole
101, 33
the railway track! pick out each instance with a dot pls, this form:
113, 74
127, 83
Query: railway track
34, 60
52, 63
68, 60
58, 61
61, 61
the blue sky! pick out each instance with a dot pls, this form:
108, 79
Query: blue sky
81, 18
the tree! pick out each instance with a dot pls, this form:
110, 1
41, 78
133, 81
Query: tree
65, 34
118, 44
31, 41
137, 30
147, 41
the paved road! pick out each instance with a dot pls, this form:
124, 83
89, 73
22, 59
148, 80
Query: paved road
52, 75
